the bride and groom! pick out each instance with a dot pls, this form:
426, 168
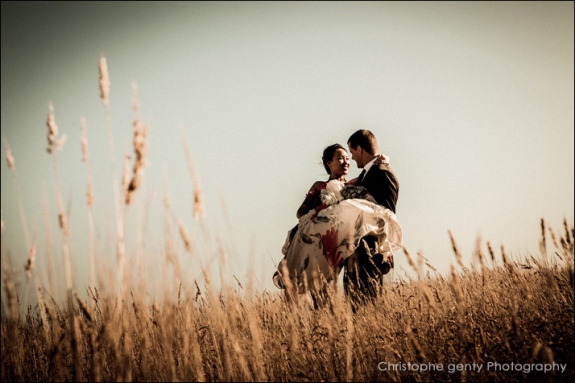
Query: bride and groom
344, 224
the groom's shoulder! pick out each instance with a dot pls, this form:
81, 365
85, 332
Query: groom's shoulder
385, 168
387, 172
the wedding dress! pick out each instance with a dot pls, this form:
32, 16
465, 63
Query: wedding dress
330, 233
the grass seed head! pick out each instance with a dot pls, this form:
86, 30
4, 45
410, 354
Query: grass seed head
10, 159
104, 81
52, 129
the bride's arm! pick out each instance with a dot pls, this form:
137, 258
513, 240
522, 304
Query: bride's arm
381, 159
304, 208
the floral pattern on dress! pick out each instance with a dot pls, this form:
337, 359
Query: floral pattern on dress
330, 245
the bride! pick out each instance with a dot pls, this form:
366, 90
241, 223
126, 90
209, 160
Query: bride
333, 219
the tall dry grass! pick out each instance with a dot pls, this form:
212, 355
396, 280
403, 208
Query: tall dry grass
504, 311
521, 314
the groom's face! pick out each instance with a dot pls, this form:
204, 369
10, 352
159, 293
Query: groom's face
356, 155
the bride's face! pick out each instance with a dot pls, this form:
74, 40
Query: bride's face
339, 164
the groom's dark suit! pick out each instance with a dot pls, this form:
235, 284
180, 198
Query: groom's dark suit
381, 182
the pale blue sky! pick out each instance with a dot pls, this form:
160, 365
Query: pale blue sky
473, 102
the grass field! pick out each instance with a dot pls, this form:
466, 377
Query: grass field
501, 323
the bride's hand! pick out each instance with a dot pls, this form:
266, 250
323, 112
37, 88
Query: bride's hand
381, 159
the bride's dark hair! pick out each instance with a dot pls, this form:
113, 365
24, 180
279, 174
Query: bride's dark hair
328, 155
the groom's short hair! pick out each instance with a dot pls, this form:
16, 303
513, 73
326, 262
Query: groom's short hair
365, 139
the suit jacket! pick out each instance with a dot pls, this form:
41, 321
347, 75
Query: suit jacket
381, 182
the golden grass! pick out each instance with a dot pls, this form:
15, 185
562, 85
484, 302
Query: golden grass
519, 311
524, 316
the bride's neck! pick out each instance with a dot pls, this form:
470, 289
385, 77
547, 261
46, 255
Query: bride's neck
342, 178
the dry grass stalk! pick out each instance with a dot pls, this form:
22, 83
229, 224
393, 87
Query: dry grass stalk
515, 321
199, 294
95, 297
185, 236
104, 92
410, 260
431, 267
172, 257
458, 256
63, 223
135, 99
198, 201
140, 133
547, 355
553, 238
89, 198
457, 289
567, 242
481, 257
49, 245
52, 129
84, 307
61, 141
568, 232
543, 243
535, 351
428, 297
198, 210
166, 199
491, 252
43, 308
104, 81
54, 143
418, 349
86, 159
31, 261
62, 218
126, 175
171, 254
506, 261
12, 166
84, 140
420, 261
9, 158
9, 288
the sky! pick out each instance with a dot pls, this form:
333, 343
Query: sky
472, 101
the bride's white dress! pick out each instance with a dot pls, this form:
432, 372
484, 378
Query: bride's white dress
326, 238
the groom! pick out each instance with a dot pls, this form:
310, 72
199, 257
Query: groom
364, 273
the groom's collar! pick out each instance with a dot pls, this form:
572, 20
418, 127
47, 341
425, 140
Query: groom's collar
368, 166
